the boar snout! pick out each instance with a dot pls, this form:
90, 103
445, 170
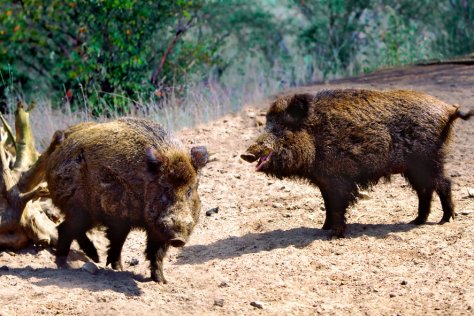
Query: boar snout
177, 242
249, 157
258, 152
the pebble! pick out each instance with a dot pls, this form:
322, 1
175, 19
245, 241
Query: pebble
259, 121
213, 210
404, 282
90, 267
257, 304
363, 195
133, 262
219, 302
470, 192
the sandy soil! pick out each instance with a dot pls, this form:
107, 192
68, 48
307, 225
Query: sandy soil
265, 243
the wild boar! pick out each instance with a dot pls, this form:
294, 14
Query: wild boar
124, 174
340, 140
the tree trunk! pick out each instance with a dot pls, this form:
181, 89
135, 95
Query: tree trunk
22, 219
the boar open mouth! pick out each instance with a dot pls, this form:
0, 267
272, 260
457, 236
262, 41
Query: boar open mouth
263, 158
262, 161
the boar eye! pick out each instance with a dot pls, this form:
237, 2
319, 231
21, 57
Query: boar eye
189, 192
165, 196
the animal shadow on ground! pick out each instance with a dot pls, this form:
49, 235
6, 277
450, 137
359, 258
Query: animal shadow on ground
105, 279
301, 237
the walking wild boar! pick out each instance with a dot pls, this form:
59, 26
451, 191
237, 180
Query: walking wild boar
342, 139
124, 174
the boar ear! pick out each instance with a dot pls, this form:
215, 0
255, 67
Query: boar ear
154, 160
199, 157
298, 106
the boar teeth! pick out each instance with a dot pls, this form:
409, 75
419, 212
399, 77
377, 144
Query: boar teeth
262, 161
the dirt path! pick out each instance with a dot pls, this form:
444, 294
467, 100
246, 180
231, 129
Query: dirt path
265, 243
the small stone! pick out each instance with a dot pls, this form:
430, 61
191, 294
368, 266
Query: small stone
257, 304
223, 284
4, 268
237, 176
213, 210
90, 267
467, 212
470, 192
363, 195
251, 114
392, 295
219, 302
404, 282
259, 121
133, 262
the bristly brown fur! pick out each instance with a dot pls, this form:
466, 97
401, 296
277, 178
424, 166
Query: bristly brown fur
124, 174
344, 139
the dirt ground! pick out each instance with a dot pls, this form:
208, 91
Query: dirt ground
265, 244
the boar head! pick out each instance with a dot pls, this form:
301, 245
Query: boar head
286, 147
172, 201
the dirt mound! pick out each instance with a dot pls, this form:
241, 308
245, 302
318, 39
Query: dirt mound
264, 243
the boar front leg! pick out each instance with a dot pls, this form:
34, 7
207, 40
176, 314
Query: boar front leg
155, 252
116, 234
74, 227
337, 197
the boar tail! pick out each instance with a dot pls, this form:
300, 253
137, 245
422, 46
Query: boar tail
446, 132
465, 116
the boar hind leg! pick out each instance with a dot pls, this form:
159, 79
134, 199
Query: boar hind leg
155, 252
116, 235
88, 247
422, 180
443, 189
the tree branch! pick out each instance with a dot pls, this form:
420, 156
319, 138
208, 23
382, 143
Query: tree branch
179, 32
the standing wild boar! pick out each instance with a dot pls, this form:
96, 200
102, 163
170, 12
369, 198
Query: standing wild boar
342, 139
124, 174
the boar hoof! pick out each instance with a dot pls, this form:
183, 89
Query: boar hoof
418, 221
444, 221
155, 276
116, 265
326, 226
338, 232
61, 262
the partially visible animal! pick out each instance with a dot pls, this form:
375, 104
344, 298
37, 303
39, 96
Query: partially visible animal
125, 174
340, 140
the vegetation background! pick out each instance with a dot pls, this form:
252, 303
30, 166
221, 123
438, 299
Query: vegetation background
183, 62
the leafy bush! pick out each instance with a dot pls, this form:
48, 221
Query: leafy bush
110, 56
